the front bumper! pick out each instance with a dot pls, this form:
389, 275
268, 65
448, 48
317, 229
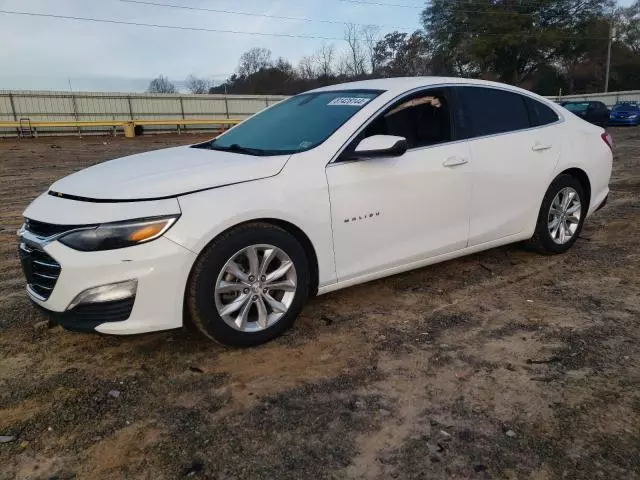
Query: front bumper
86, 318
161, 268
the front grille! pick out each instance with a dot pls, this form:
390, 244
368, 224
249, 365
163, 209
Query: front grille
41, 270
42, 229
115, 311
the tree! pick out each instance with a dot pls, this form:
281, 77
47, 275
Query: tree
307, 67
277, 79
324, 58
254, 60
197, 85
161, 84
400, 54
371, 36
343, 66
629, 27
543, 45
354, 63
509, 41
582, 60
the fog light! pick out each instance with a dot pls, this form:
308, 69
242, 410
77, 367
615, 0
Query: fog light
106, 293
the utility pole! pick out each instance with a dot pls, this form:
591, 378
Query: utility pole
612, 33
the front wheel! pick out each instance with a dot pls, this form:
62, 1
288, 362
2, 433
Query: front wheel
249, 285
561, 216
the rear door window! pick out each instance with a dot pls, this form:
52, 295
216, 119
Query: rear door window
540, 114
492, 111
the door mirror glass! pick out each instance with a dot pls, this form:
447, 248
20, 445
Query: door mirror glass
381, 146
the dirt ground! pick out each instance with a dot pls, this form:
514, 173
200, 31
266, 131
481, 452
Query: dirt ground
504, 364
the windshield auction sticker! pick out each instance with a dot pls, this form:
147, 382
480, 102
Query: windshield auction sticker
349, 101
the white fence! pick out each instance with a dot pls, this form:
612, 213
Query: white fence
609, 99
48, 106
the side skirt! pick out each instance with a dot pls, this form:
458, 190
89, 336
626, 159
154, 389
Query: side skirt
422, 263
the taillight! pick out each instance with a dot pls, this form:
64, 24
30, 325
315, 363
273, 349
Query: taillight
608, 139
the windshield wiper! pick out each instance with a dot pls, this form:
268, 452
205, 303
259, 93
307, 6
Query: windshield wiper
234, 147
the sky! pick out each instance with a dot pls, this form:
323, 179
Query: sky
62, 54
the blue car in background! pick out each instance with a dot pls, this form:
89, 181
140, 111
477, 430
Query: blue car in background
625, 113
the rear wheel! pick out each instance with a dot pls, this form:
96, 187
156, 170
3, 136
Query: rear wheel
561, 216
249, 285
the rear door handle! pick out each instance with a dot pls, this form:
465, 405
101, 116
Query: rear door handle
538, 147
454, 161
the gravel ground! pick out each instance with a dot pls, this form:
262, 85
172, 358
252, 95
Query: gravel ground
504, 364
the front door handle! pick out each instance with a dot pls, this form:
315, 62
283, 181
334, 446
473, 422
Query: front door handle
539, 147
454, 161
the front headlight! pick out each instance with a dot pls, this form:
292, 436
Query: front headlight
109, 236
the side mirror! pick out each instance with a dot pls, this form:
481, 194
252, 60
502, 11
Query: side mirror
381, 146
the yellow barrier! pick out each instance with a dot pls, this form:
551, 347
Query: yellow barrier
71, 124
127, 125
218, 121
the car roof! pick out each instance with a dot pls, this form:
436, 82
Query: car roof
399, 85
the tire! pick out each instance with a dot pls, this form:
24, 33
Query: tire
256, 321
543, 240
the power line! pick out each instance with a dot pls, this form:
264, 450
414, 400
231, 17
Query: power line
174, 27
263, 15
239, 32
515, 3
381, 4
493, 9
305, 19
533, 35
496, 12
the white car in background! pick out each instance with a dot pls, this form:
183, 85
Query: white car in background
327, 189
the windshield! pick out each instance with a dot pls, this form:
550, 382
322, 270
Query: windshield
625, 107
577, 107
294, 125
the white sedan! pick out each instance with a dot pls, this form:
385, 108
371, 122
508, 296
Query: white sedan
327, 189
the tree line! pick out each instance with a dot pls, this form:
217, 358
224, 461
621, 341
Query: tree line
546, 46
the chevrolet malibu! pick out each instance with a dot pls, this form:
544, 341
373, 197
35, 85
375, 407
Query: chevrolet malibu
327, 189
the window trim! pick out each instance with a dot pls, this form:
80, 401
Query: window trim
335, 159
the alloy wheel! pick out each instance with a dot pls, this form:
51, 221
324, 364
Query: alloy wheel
564, 215
255, 288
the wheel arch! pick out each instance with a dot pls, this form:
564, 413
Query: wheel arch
290, 228
308, 247
583, 178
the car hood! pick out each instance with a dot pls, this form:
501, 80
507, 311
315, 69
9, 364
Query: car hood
166, 173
